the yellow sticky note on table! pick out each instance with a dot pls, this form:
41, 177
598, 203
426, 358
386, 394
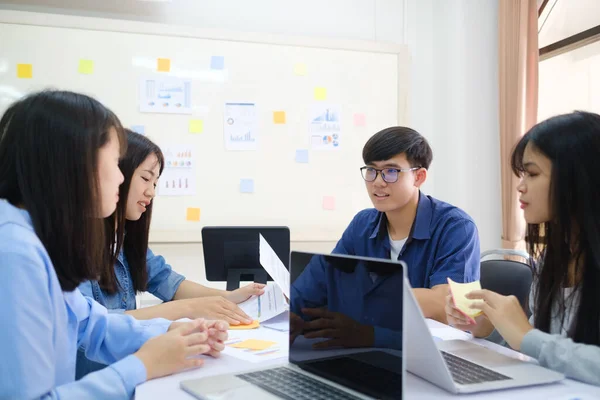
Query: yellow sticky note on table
86, 67
459, 292
163, 65
320, 93
196, 126
192, 214
300, 69
24, 71
253, 325
254, 344
279, 117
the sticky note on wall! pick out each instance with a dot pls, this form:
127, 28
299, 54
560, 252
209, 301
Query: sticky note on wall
247, 185
329, 203
141, 129
217, 62
196, 126
302, 156
300, 69
24, 71
86, 67
192, 214
320, 93
163, 65
360, 120
279, 117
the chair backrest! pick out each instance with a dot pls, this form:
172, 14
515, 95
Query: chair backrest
507, 277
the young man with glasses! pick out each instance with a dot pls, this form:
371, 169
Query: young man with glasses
435, 239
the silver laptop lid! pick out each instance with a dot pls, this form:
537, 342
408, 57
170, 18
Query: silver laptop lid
346, 321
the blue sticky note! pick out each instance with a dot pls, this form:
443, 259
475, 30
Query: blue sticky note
247, 185
302, 156
141, 129
217, 62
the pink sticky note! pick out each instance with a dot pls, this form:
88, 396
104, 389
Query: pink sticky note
360, 120
329, 203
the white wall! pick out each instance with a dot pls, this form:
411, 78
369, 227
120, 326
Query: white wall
454, 95
454, 102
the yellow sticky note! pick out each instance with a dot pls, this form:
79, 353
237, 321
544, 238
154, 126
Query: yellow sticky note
279, 117
163, 65
320, 93
459, 291
300, 69
192, 214
24, 71
196, 126
253, 325
254, 344
86, 67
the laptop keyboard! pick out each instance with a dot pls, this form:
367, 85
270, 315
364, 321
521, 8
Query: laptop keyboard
292, 385
467, 373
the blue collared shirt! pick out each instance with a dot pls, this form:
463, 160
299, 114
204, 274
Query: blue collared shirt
163, 282
43, 327
443, 243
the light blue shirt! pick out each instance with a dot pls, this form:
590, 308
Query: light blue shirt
43, 327
163, 282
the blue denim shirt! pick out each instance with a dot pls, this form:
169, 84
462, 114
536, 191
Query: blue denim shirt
163, 282
443, 243
43, 327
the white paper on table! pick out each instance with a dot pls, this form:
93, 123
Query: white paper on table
266, 306
280, 323
273, 265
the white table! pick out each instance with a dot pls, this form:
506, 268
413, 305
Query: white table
416, 388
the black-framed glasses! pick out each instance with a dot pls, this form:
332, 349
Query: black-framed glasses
389, 175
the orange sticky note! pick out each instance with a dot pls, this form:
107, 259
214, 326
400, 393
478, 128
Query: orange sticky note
163, 65
459, 292
253, 325
320, 93
86, 67
279, 117
192, 214
329, 203
254, 344
196, 126
24, 71
300, 69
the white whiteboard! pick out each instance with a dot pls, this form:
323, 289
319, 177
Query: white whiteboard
363, 78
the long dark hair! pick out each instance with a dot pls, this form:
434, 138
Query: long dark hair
572, 143
49, 144
131, 236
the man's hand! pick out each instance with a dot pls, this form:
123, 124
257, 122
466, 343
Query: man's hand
340, 329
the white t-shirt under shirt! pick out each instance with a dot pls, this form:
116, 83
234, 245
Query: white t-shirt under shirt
395, 249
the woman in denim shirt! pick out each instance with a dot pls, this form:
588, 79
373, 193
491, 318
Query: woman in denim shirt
59, 176
138, 269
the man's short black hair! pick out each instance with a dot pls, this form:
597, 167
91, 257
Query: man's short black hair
397, 140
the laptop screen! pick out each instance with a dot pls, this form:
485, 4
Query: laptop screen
346, 321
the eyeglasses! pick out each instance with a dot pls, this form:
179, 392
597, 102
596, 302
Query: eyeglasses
389, 175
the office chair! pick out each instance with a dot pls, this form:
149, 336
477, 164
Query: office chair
507, 277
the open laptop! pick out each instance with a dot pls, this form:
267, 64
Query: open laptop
460, 366
336, 373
